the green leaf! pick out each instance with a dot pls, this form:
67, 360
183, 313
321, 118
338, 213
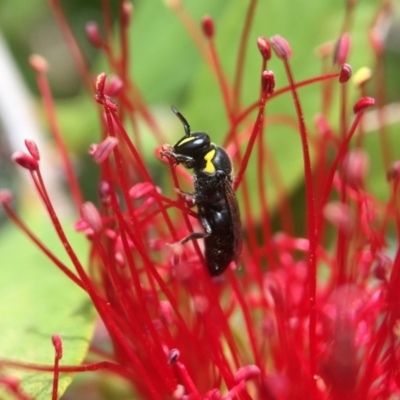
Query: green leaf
37, 301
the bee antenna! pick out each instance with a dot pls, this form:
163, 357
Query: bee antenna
185, 124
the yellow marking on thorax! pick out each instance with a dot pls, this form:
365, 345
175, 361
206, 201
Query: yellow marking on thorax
188, 139
209, 168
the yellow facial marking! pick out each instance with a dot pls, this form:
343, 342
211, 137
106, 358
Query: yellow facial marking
188, 139
209, 168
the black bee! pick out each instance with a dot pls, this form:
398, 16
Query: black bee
213, 194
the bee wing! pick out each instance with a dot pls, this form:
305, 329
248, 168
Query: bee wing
235, 214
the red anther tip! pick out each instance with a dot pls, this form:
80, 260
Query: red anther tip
33, 149
25, 160
91, 216
115, 86
345, 73
179, 392
100, 83
166, 148
103, 192
93, 34
6, 197
80, 226
92, 149
339, 215
173, 356
268, 82
281, 47
57, 343
382, 267
322, 125
355, 167
166, 313
173, 3
363, 103
207, 24
264, 47
127, 10
342, 49
351, 3
324, 50
393, 172
376, 42
102, 151
38, 63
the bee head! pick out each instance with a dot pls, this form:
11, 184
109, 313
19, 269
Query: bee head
193, 144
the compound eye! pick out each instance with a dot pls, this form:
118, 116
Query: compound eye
193, 145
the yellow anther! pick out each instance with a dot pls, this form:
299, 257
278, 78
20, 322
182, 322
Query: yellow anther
363, 75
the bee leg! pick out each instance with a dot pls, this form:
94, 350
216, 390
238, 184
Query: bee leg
194, 236
187, 161
184, 192
198, 235
188, 197
182, 159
